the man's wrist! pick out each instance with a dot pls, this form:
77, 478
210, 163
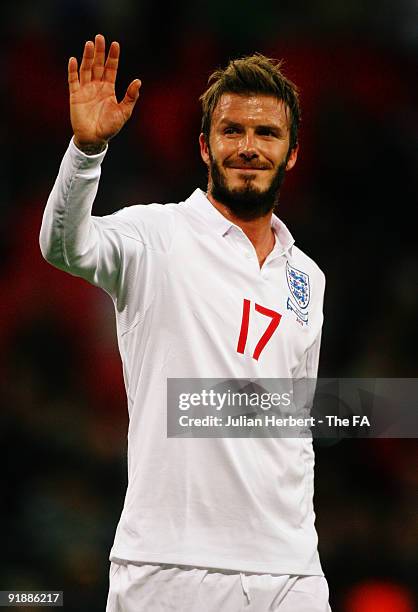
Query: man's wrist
90, 148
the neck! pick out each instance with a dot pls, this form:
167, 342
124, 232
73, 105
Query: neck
258, 231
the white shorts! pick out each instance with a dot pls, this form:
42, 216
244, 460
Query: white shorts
157, 588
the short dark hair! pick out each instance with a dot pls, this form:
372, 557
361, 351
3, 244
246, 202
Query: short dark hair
252, 74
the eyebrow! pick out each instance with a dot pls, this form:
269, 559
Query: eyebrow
277, 130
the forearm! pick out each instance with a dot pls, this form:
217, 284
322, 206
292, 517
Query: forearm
67, 232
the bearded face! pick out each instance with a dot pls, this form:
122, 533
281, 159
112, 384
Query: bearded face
246, 201
247, 153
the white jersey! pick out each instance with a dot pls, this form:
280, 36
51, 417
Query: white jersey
182, 277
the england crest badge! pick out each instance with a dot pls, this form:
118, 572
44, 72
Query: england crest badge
300, 292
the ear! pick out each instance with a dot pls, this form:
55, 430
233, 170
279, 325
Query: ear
292, 157
204, 149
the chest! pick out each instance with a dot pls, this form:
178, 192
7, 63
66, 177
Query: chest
216, 296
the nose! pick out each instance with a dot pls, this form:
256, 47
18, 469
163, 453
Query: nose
247, 149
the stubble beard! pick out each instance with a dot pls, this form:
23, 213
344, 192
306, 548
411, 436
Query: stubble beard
249, 202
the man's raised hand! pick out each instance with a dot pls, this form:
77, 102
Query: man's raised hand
96, 115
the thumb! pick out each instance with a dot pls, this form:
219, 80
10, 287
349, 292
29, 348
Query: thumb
131, 96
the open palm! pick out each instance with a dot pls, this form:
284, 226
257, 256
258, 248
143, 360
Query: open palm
96, 115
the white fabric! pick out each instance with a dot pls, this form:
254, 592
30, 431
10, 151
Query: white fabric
158, 588
178, 275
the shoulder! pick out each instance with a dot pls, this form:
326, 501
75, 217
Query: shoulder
152, 224
297, 259
147, 213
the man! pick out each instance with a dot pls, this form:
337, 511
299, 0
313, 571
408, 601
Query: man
210, 287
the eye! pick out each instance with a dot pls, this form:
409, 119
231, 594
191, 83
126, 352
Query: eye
231, 130
266, 132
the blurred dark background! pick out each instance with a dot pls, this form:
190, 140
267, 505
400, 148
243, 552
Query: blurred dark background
349, 202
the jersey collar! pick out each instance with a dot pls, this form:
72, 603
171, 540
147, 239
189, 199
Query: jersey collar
221, 224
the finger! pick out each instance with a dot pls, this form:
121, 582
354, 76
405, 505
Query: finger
73, 82
131, 96
86, 63
111, 66
99, 57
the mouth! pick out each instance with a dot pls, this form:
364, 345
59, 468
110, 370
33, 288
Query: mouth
246, 169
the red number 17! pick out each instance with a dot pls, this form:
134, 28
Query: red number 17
272, 326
